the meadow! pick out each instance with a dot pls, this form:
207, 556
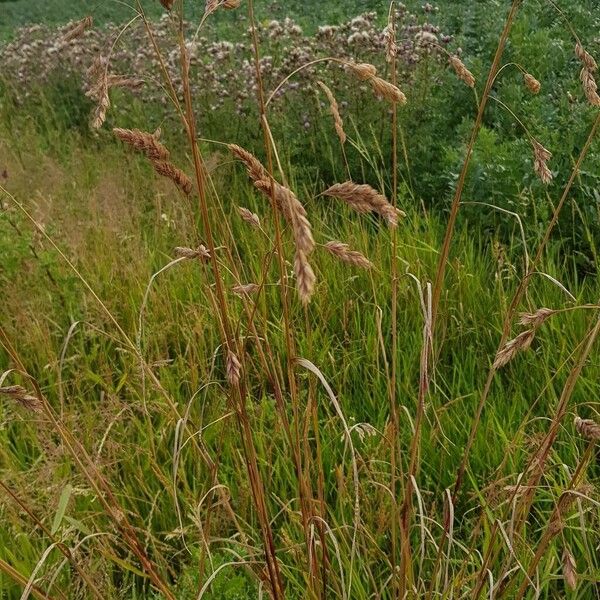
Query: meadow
299, 300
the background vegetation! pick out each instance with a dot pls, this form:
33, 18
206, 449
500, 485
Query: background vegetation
118, 223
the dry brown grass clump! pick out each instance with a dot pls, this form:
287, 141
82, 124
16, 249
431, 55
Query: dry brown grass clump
98, 91
569, 568
364, 199
588, 81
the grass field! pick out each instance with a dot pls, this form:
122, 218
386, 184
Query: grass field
199, 401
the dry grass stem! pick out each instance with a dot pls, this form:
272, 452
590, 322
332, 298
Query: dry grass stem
78, 29
335, 111
587, 428
342, 252
461, 70
364, 199
248, 216
508, 351
541, 156
531, 83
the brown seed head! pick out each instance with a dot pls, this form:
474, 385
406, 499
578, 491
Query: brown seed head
540, 157
363, 70
19, 394
462, 71
569, 568
589, 87
255, 170
388, 91
537, 318
249, 216
233, 368
78, 28
305, 277
245, 289
177, 176
586, 58
508, 351
532, 84
168, 4
335, 111
200, 252
144, 142
342, 252
363, 198
389, 39
587, 428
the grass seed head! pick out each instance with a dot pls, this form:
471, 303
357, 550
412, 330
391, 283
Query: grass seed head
342, 252
590, 87
588, 428
510, 349
363, 198
168, 4
245, 289
335, 111
387, 90
389, 39
363, 71
146, 143
305, 277
531, 83
461, 70
176, 175
586, 58
78, 29
536, 318
200, 252
541, 156
21, 396
233, 368
569, 568
248, 216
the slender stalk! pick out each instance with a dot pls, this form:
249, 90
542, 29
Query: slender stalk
305, 501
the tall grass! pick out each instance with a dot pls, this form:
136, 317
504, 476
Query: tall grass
224, 381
